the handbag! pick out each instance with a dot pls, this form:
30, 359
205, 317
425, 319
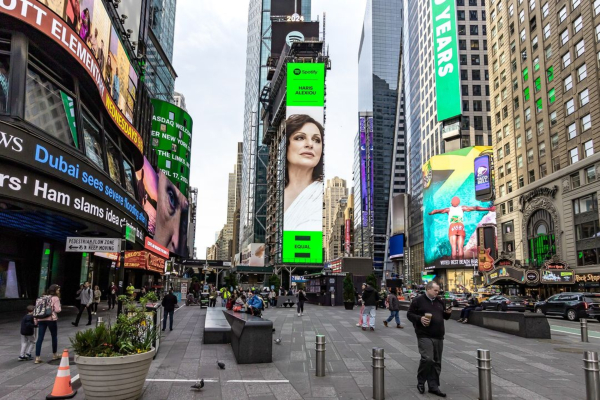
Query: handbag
237, 308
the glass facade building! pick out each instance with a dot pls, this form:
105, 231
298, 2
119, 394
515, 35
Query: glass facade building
160, 74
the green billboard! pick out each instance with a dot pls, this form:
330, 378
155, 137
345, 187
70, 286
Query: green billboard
172, 141
445, 52
303, 146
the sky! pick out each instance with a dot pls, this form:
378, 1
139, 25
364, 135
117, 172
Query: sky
210, 61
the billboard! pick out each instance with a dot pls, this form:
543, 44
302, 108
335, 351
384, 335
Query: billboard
445, 52
283, 8
304, 149
254, 255
451, 213
396, 246
398, 213
288, 32
172, 140
147, 185
483, 177
83, 29
365, 124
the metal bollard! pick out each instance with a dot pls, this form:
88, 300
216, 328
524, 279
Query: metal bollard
592, 375
320, 342
584, 330
99, 321
484, 365
378, 373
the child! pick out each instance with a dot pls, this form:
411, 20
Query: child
27, 335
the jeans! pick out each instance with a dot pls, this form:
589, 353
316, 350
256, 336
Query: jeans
27, 343
300, 307
212, 302
112, 301
369, 315
95, 307
42, 325
430, 366
394, 314
466, 311
89, 311
170, 315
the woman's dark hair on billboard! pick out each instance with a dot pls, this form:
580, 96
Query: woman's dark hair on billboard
292, 125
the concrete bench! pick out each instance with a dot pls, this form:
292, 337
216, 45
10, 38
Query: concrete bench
216, 328
251, 338
285, 301
524, 324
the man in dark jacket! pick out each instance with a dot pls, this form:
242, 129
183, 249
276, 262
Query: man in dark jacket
370, 299
169, 302
430, 335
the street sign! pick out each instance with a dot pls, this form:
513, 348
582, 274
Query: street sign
130, 233
85, 244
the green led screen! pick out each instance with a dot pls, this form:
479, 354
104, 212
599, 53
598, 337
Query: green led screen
445, 51
303, 147
172, 140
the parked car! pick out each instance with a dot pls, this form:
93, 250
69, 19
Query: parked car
529, 303
482, 296
571, 306
504, 303
460, 300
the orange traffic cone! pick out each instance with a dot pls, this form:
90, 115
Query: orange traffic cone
62, 384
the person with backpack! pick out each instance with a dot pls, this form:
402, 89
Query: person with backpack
27, 335
301, 299
45, 316
394, 307
86, 298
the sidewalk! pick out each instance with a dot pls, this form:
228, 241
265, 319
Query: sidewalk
522, 368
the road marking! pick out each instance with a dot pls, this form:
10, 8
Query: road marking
180, 307
181, 380
573, 331
212, 380
258, 381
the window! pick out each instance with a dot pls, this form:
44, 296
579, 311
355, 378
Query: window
575, 4
550, 74
537, 84
463, 59
523, 36
502, 58
476, 75
460, 14
500, 154
574, 155
517, 122
462, 44
4, 65
465, 106
472, 15
534, 44
531, 4
586, 122
596, 7
516, 103
566, 59
476, 90
570, 107
590, 174
539, 105
519, 141
510, 206
529, 156
526, 94
568, 83
531, 176
501, 172
579, 48
577, 25
536, 64
477, 106
474, 44
542, 149
548, 52
564, 36
584, 98
562, 14
507, 149
555, 164
50, 108
464, 74
462, 30
525, 74
527, 114
521, 182
113, 160
503, 209
545, 10
540, 127
511, 9
553, 119
521, 16
543, 170
474, 29
581, 73
128, 170
588, 148
478, 140
586, 203
508, 168
465, 90
546, 31
505, 112
477, 120
506, 131
171, 115
475, 59
502, 191
572, 131
93, 142
575, 181
551, 96
554, 141
586, 230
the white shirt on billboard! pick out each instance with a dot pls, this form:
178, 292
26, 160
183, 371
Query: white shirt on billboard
306, 211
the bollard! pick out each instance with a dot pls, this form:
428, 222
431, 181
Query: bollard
584, 330
592, 375
484, 365
378, 371
320, 355
99, 321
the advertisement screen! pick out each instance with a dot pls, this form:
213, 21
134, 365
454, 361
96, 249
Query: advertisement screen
445, 52
396, 246
172, 140
451, 214
363, 170
483, 177
254, 255
83, 28
304, 148
282, 8
147, 185
288, 32
398, 207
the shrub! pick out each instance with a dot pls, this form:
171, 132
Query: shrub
348, 289
372, 280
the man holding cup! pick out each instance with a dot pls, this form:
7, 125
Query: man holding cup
427, 312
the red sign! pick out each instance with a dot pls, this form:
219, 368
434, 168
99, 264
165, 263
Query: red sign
336, 265
135, 259
155, 263
347, 237
155, 247
43, 19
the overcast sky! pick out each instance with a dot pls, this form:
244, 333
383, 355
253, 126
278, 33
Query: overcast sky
210, 60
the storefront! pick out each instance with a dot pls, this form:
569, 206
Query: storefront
587, 282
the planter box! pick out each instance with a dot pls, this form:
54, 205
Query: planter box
114, 378
349, 305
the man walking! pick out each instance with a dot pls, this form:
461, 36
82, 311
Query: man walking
112, 295
370, 299
85, 302
427, 313
168, 303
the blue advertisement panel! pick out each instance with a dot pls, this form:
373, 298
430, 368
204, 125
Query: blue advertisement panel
396, 246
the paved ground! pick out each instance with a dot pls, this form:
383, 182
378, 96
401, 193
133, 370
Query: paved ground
523, 368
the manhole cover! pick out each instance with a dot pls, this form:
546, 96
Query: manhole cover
568, 350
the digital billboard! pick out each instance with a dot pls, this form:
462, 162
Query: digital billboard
254, 255
172, 140
304, 149
83, 28
399, 203
365, 126
483, 177
451, 213
396, 246
283, 8
147, 185
445, 53
289, 32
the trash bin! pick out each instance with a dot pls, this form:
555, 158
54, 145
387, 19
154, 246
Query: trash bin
204, 298
157, 320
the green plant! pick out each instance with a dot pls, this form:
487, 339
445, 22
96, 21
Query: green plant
372, 280
132, 333
231, 281
275, 281
348, 289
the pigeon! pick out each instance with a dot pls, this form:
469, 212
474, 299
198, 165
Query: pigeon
278, 341
198, 385
221, 365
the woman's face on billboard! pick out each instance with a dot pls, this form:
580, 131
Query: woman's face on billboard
306, 147
172, 209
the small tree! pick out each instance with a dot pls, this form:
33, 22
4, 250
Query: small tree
348, 289
275, 281
231, 281
372, 280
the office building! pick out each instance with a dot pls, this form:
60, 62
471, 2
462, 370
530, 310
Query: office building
179, 100
335, 190
336, 231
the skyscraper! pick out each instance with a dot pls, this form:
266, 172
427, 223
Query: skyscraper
335, 190
378, 65
256, 155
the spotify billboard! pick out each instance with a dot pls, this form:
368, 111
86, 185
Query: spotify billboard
303, 156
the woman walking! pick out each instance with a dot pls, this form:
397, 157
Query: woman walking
362, 307
394, 307
50, 323
97, 295
301, 300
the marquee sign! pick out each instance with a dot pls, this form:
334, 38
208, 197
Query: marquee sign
508, 273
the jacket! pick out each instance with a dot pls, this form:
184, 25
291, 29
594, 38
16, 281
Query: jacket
86, 296
394, 304
370, 296
113, 288
97, 295
421, 305
301, 296
169, 302
27, 325
55, 310
255, 302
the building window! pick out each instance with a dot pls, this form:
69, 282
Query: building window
472, 15
502, 209
478, 120
581, 73
474, 29
551, 96
519, 141
4, 87
460, 15
573, 155
555, 164
588, 148
572, 131
462, 44
596, 7
553, 119
548, 51
540, 127
543, 170
521, 181
500, 154
507, 149
579, 48
506, 131
509, 187
523, 36
527, 114
554, 141
598, 33
502, 191
525, 74
566, 59
570, 107
564, 36
510, 206
114, 163
542, 149
464, 74
575, 4
529, 156
584, 97
526, 94
520, 161
528, 134
517, 122
93, 142
590, 174
568, 83
577, 24
465, 105
463, 59
538, 105
478, 140
475, 60
128, 171
476, 90
531, 176
585, 204
562, 14
537, 84
462, 30
586, 122
586, 230
508, 168
508, 227
545, 10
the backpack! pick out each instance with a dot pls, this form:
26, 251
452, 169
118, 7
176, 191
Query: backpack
43, 307
229, 304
